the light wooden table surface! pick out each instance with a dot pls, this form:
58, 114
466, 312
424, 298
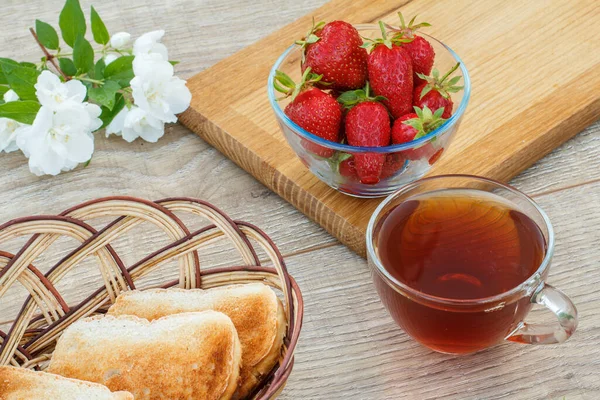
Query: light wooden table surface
350, 348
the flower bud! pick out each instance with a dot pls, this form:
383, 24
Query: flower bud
120, 40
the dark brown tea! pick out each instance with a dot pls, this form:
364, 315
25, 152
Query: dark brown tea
458, 244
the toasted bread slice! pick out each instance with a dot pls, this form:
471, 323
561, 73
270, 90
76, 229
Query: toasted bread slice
254, 309
184, 356
25, 384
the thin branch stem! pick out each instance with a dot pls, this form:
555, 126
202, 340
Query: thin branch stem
49, 56
70, 54
84, 79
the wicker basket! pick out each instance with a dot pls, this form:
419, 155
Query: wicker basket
44, 315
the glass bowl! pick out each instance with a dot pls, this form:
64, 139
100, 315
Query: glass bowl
414, 158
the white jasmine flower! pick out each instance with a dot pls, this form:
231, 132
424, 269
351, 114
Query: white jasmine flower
149, 43
52, 93
135, 122
61, 134
9, 129
10, 96
110, 58
120, 40
116, 125
138, 123
156, 90
59, 140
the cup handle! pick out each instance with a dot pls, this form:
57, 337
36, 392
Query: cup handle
557, 302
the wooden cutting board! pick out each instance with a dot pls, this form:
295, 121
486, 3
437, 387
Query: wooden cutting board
535, 70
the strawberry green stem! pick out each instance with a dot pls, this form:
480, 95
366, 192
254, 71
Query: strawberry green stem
303, 81
310, 37
449, 72
383, 32
284, 84
402, 23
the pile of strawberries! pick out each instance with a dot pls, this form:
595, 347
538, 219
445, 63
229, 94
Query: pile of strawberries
370, 93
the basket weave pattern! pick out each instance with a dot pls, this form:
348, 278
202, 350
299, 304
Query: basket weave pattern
45, 315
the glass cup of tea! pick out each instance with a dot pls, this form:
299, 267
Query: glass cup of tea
459, 261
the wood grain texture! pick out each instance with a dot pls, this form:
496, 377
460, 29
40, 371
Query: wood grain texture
571, 164
349, 348
510, 123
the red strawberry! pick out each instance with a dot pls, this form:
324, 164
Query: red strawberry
347, 168
367, 125
312, 109
393, 163
391, 73
422, 55
436, 156
420, 50
435, 92
404, 133
334, 51
413, 126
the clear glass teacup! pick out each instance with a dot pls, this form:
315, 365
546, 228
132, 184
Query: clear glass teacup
462, 323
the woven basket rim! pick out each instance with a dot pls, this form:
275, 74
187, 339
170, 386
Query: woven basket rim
240, 230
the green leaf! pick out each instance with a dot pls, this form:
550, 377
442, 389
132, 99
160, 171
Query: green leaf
28, 65
71, 22
419, 112
120, 70
351, 98
173, 63
454, 80
105, 94
21, 80
67, 66
21, 111
7, 64
312, 39
3, 89
99, 69
426, 89
83, 55
108, 115
46, 34
99, 30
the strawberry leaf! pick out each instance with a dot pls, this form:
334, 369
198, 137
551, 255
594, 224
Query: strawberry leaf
335, 161
426, 90
454, 80
351, 98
